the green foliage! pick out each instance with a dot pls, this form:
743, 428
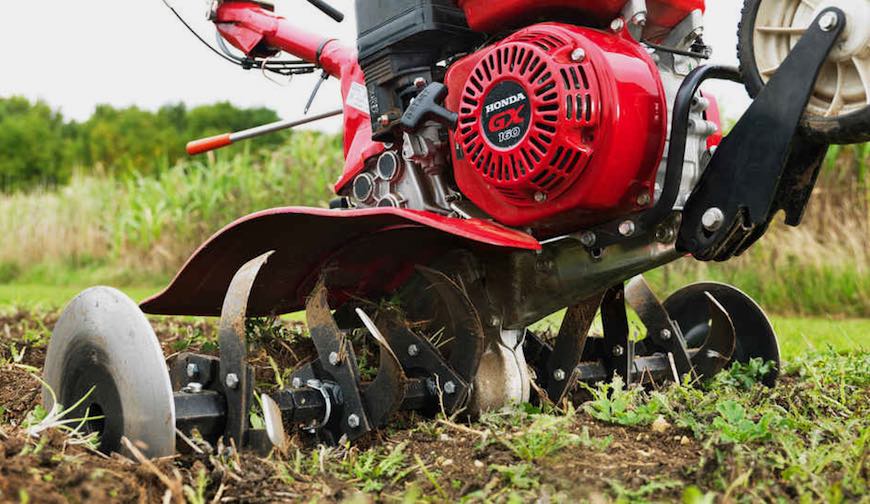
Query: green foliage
372, 469
41, 149
33, 140
733, 425
614, 403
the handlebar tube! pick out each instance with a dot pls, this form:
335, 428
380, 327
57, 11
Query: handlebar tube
246, 24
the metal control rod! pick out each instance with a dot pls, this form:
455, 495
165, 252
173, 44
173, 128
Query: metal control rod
216, 142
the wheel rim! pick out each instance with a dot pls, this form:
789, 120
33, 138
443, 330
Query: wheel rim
843, 85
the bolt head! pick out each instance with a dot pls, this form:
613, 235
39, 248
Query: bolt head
713, 219
618, 351
192, 370
627, 228
334, 359
829, 21
353, 421
232, 381
540, 197
643, 199
413, 350
419, 82
450, 388
384, 120
666, 334
559, 375
297, 382
192, 388
588, 239
494, 321
617, 24
578, 55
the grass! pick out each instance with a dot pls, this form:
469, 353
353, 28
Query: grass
727, 440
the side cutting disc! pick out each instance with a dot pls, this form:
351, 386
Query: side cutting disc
104, 350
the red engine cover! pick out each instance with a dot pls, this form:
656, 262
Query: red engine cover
559, 127
491, 16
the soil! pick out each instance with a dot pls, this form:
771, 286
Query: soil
54, 469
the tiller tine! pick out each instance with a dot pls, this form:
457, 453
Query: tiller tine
663, 331
560, 372
464, 320
235, 376
385, 394
719, 345
422, 360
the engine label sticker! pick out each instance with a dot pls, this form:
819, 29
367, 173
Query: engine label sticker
507, 114
358, 97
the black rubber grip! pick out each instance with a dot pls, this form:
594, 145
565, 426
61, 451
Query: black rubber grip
328, 10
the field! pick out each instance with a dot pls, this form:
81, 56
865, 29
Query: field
731, 440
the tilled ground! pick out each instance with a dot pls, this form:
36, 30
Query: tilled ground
415, 459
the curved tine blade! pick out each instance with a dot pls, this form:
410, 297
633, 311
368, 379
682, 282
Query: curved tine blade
467, 327
640, 296
385, 394
274, 423
569, 346
718, 348
233, 347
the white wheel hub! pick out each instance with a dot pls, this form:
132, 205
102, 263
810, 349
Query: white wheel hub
843, 85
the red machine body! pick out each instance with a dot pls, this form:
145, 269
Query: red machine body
489, 16
559, 126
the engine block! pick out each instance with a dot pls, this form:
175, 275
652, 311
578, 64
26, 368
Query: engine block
559, 126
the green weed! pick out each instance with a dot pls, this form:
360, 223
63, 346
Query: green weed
614, 403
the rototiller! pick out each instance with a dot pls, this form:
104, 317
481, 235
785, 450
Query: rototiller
505, 160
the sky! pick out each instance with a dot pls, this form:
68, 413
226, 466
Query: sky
77, 54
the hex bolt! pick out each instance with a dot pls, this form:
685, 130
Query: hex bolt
540, 197
450, 388
559, 375
192, 388
618, 351
712, 219
192, 370
232, 381
643, 199
353, 421
494, 321
588, 238
666, 334
578, 55
413, 350
617, 24
627, 228
419, 83
829, 21
297, 382
334, 359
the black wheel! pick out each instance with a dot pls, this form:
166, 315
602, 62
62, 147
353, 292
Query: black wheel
104, 353
839, 110
755, 336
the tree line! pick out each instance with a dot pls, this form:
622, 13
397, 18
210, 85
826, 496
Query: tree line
38, 147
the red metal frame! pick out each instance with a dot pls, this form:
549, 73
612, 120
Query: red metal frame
246, 25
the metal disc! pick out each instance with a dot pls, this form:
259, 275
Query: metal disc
103, 342
689, 307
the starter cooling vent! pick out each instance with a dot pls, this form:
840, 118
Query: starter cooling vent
527, 115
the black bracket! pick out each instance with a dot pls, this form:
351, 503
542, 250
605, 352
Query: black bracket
646, 221
764, 164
